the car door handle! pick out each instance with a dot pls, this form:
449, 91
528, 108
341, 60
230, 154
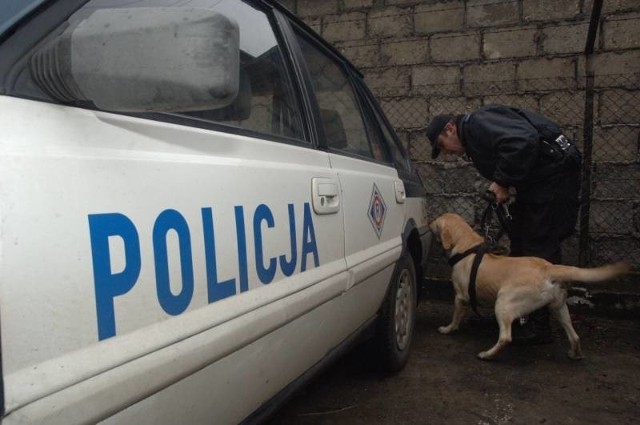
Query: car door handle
325, 195
401, 195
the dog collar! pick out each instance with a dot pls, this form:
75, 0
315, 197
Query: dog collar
456, 258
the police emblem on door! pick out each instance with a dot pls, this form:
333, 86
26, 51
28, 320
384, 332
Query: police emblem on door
377, 210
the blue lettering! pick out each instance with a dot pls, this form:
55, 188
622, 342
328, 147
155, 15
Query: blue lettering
288, 267
309, 245
109, 285
242, 249
216, 290
265, 274
172, 220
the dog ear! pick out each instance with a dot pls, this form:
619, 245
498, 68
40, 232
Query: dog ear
445, 237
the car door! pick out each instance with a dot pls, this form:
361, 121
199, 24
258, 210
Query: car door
372, 194
166, 268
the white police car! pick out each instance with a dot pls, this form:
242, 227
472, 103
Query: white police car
201, 204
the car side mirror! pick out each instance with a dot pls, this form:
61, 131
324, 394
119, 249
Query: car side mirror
143, 59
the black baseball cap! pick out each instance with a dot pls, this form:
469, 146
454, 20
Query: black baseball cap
434, 129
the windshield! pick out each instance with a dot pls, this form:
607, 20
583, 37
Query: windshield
12, 10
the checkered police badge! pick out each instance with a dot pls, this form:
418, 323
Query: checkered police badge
377, 210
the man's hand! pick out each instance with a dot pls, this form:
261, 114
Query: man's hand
501, 192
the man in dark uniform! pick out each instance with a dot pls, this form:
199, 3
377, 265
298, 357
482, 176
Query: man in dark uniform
516, 148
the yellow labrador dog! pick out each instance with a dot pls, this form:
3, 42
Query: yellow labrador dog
517, 285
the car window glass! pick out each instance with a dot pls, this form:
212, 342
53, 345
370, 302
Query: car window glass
266, 101
340, 115
400, 159
378, 138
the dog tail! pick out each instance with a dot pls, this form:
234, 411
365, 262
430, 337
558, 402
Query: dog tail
597, 274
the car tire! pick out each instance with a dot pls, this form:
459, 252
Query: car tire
395, 328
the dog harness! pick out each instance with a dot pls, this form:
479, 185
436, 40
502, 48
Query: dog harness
479, 250
491, 244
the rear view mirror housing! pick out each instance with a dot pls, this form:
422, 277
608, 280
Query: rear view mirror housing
143, 59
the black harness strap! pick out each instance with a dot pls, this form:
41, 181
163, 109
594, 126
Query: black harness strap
473, 298
456, 258
479, 250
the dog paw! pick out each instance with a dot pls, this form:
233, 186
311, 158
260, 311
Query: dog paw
574, 356
444, 329
484, 355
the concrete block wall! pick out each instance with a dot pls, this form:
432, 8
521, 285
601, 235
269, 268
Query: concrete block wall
426, 57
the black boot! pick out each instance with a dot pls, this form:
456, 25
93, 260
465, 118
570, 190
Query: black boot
536, 330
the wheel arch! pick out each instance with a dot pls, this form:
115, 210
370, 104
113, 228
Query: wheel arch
412, 244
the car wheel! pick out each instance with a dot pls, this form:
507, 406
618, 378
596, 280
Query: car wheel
394, 334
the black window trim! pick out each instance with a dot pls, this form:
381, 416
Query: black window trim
298, 74
367, 108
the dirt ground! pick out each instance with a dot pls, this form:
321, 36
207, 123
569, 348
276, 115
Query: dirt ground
444, 382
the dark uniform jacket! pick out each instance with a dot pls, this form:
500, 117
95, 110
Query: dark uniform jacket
514, 147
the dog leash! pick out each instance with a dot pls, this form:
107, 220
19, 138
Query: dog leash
501, 212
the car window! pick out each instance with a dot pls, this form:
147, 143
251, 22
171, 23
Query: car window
266, 102
400, 159
378, 138
339, 111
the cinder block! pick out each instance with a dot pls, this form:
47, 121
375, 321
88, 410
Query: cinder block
440, 204
565, 108
565, 38
461, 179
455, 47
348, 26
547, 10
439, 17
510, 43
616, 181
621, 31
406, 113
612, 6
432, 178
529, 102
611, 217
489, 78
404, 52
441, 80
389, 81
357, 4
492, 14
616, 144
546, 74
316, 8
419, 147
401, 2
619, 63
362, 54
617, 106
390, 22
462, 205
453, 105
